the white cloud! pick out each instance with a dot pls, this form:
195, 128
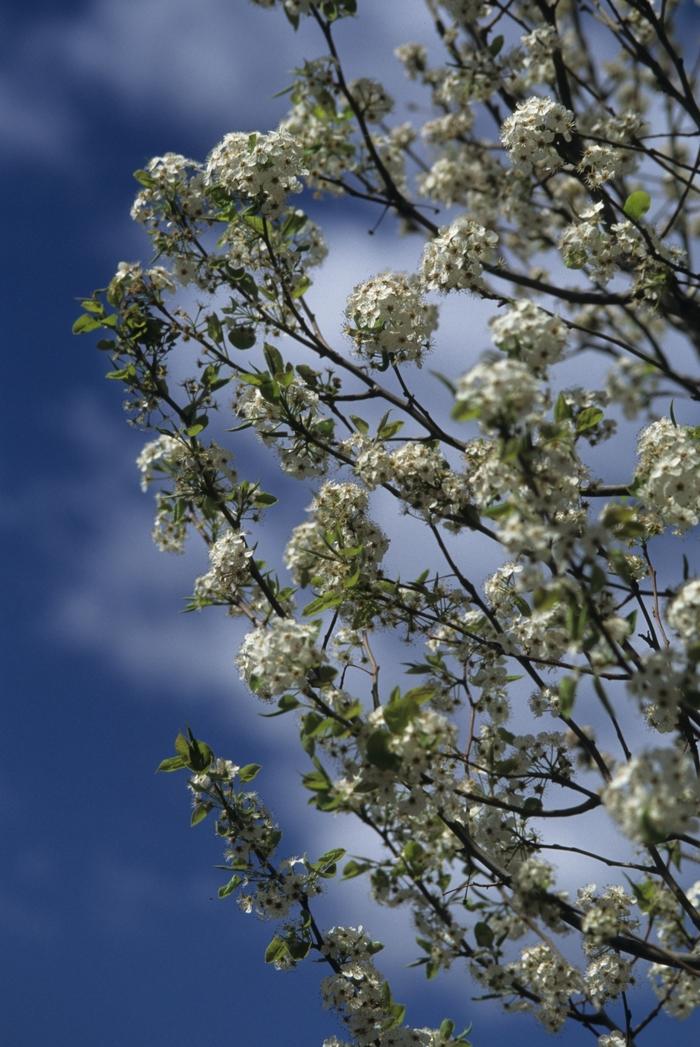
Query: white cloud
214, 64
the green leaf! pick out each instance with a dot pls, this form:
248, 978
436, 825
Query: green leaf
463, 411
301, 288
637, 204
332, 856
322, 603
353, 869
242, 337
199, 754
446, 1029
316, 781
651, 833
144, 178
445, 381
588, 418
532, 805
562, 409
378, 752
249, 772
360, 424
324, 674
199, 814
298, 948
496, 45
389, 430
230, 887
672, 414
273, 358
173, 763
86, 323
483, 935
285, 705
255, 221
276, 950
124, 373
644, 892
294, 222
262, 498
567, 695
214, 329
399, 712
198, 426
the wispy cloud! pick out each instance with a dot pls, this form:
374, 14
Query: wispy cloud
214, 65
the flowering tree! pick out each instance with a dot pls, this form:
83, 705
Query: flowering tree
558, 137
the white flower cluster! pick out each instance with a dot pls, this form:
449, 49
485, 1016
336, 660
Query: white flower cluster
552, 979
361, 995
668, 471
413, 57
278, 656
186, 466
658, 683
654, 794
372, 461
453, 259
292, 7
601, 250
229, 571
317, 550
613, 1039
448, 127
156, 454
587, 243
680, 990
424, 477
538, 67
504, 394
530, 333
529, 135
601, 163
631, 384
132, 279
683, 612
606, 977
298, 455
169, 179
273, 898
474, 80
264, 168
387, 314
448, 181
247, 249
533, 876
605, 915
371, 98
466, 11
169, 529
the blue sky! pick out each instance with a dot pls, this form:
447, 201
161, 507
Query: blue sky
110, 930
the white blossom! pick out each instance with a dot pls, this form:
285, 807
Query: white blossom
668, 471
264, 168
653, 794
453, 259
278, 656
500, 394
387, 314
230, 569
683, 613
530, 333
530, 134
